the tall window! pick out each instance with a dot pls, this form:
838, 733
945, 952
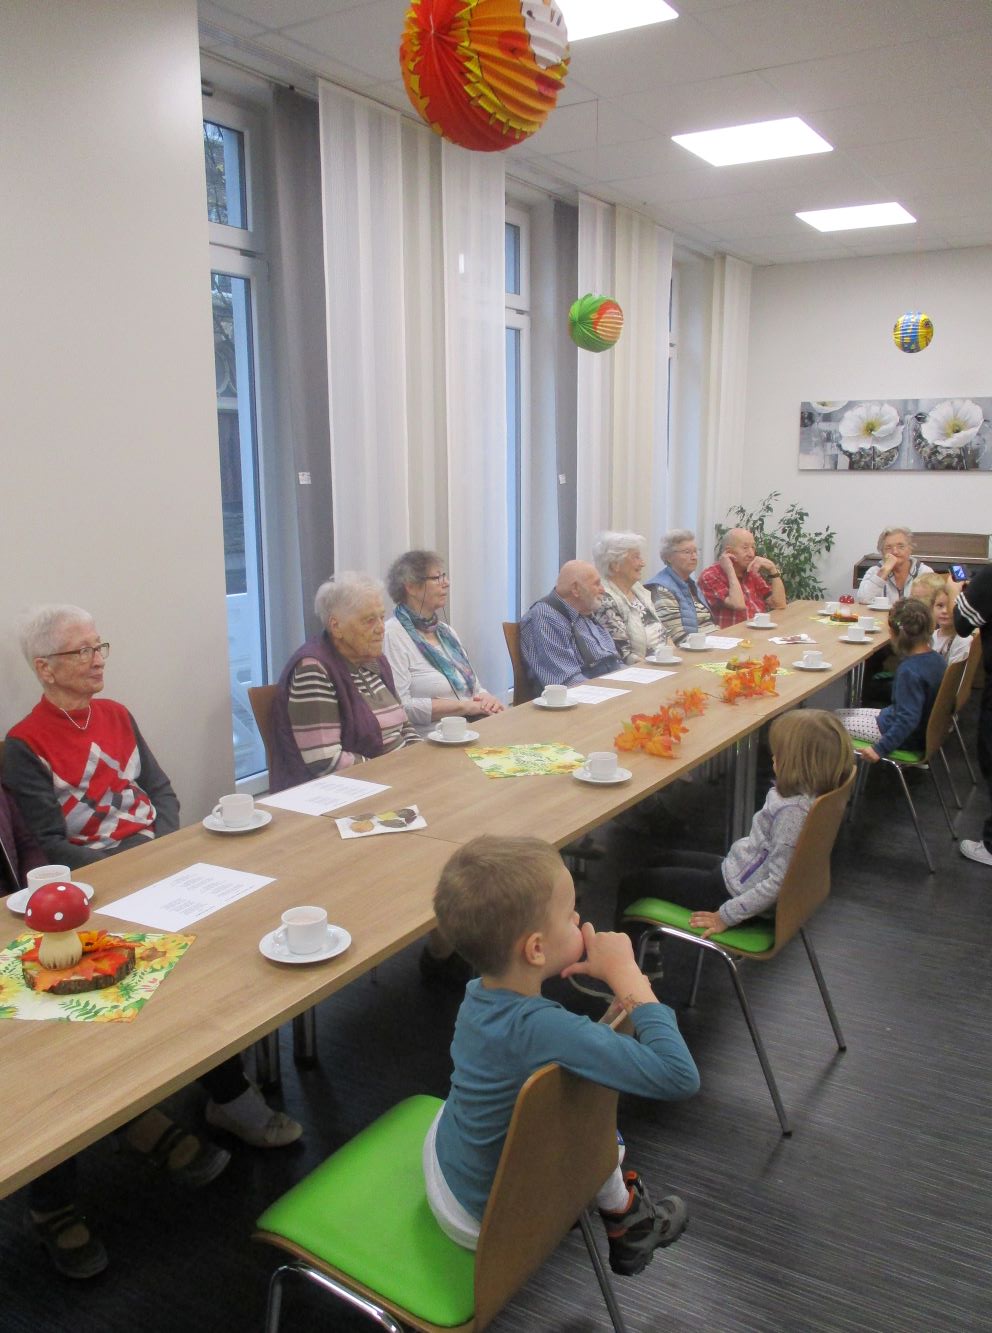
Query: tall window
237, 297
517, 389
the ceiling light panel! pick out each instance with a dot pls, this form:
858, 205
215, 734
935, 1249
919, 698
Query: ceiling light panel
595, 18
760, 142
860, 215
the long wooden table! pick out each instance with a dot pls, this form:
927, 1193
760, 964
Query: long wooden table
68, 1084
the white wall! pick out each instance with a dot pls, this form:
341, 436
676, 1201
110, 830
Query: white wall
110, 483
825, 331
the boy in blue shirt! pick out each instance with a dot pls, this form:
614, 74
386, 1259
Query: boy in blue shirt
508, 906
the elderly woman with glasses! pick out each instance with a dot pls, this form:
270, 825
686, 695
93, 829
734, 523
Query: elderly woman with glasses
80, 770
336, 704
626, 612
434, 677
680, 605
892, 578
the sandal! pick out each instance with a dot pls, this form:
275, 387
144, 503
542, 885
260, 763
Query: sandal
207, 1164
76, 1261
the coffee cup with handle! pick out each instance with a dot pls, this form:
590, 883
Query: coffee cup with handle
454, 727
665, 652
868, 623
236, 810
761, 619
602, 765
812, 658
303, 930
696, 641
856, 632
42, 875
555, 696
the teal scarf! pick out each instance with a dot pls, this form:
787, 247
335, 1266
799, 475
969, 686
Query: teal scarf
452, 662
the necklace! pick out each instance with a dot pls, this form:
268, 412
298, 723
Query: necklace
89, 710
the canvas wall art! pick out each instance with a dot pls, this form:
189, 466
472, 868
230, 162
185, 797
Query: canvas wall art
896, 434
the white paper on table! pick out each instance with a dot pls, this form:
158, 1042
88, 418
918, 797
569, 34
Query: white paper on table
637, 675
323, 794
793, 638
718, 642
408, 818
189, 895
591, 694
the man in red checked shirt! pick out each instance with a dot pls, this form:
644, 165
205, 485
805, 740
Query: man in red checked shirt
741, 583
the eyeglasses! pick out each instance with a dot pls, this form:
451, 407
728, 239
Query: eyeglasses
437, 578
85, 654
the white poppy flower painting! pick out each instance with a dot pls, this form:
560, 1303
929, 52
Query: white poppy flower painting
896, 434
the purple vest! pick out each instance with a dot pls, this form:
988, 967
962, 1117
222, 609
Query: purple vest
360, 729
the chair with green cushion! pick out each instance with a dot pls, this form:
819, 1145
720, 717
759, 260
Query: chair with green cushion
971, 665
938, 729
805, 886
360, 1227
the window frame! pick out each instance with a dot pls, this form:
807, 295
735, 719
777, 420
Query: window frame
233, 117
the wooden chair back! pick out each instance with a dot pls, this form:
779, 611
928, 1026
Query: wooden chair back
806, 884
560, 1148
942, 713
260, 697
523, 687
971, 664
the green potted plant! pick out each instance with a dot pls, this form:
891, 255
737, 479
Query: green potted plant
787, 541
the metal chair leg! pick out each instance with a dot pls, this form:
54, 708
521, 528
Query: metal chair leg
964, 751
695, 980
859, 785
943, 803
268, 1074
950, 781
305, 1039
602, 1277
814, 963
376, 1313
912, 811
759, 1045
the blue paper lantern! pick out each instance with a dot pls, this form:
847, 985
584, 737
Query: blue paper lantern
912, 331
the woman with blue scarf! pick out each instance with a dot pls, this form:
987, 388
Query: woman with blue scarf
431, 670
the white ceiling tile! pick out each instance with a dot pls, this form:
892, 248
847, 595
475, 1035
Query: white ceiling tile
217, 17
924, 154
367, 37
325, 65
647, 58
279, 13
709, 104
566, 129
880, 120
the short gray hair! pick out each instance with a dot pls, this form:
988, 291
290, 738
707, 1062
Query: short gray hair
886, 533
40, 628
410, 567
609, 549
344, 593
673, 539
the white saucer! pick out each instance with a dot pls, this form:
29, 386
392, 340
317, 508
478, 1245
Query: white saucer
824, 666
338, 940
688, 648
669, 661
19, 900
583, 775
880, 606
846, 638
258, 820
444, 740
772, 624
541, 703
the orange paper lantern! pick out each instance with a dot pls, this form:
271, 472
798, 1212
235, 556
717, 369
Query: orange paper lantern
484, 74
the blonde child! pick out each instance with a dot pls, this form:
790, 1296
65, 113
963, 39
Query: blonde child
903, 724
811, 755
931, 590
508, 906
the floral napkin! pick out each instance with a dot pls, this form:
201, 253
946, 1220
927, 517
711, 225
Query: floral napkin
155, 957
520, 761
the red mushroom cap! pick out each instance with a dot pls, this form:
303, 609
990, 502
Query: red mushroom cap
57, 907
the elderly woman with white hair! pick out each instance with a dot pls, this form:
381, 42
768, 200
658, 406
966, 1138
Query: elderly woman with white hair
892, 578
626, 612
680, 605
336, 704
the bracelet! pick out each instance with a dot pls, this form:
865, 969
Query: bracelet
628, 1003
774, 573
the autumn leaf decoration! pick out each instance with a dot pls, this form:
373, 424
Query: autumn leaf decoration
749, 679
658, 733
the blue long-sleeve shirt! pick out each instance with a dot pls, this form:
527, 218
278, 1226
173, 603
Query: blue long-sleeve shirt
904, 723
548, 644
502, 1037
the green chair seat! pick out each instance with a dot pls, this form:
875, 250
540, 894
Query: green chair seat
900, 756
364, 1211
756, 936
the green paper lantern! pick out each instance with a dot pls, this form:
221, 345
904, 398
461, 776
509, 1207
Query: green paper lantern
595, 322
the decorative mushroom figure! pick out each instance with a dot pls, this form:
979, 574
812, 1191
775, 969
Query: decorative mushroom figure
57, 911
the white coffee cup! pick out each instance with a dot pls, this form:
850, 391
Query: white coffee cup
235, 810
868, 623
812, 658
665, 652
880, 604
48, 875
303, 929
832, 608
856, 632
762, 619
695, 641
556, 696
453, 728
602, 765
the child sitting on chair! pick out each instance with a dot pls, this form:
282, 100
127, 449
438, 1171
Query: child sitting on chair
903, 725
508, 906
811, 755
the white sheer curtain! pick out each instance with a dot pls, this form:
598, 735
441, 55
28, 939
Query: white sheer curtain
642, 285
366, 343
473, 191
594, 427
722, 473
